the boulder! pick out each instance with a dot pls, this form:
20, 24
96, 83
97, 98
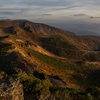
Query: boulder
57, 81
10, 88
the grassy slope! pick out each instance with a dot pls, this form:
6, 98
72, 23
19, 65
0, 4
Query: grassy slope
78, 72
82, 73
63, 48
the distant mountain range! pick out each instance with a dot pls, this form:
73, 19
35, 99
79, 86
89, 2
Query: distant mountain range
79, 27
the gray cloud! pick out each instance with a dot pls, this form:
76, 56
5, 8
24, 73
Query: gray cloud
3, 17
7, 13
20, 8
80, 15
94, 17
13, 8
17, 10
65, 8
59, 2
69, 7
47, 2
47, 14
46, 5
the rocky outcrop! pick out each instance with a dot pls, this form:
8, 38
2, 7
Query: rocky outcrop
55, 80
10, 88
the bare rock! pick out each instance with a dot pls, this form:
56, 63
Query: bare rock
57, 81
11, 89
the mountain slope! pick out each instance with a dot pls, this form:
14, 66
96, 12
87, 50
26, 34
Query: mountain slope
51, 58
64, 43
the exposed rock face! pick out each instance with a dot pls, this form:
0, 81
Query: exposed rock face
55, 80
10, 89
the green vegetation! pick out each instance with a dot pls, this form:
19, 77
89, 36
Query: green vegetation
44, 87
75, 69
60, 64
33, 84
73, 94
86, 74
83, 73
60, 47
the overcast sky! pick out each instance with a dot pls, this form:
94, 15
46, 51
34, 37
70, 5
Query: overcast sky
52, 11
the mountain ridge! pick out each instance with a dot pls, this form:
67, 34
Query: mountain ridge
51, 58
40, 33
